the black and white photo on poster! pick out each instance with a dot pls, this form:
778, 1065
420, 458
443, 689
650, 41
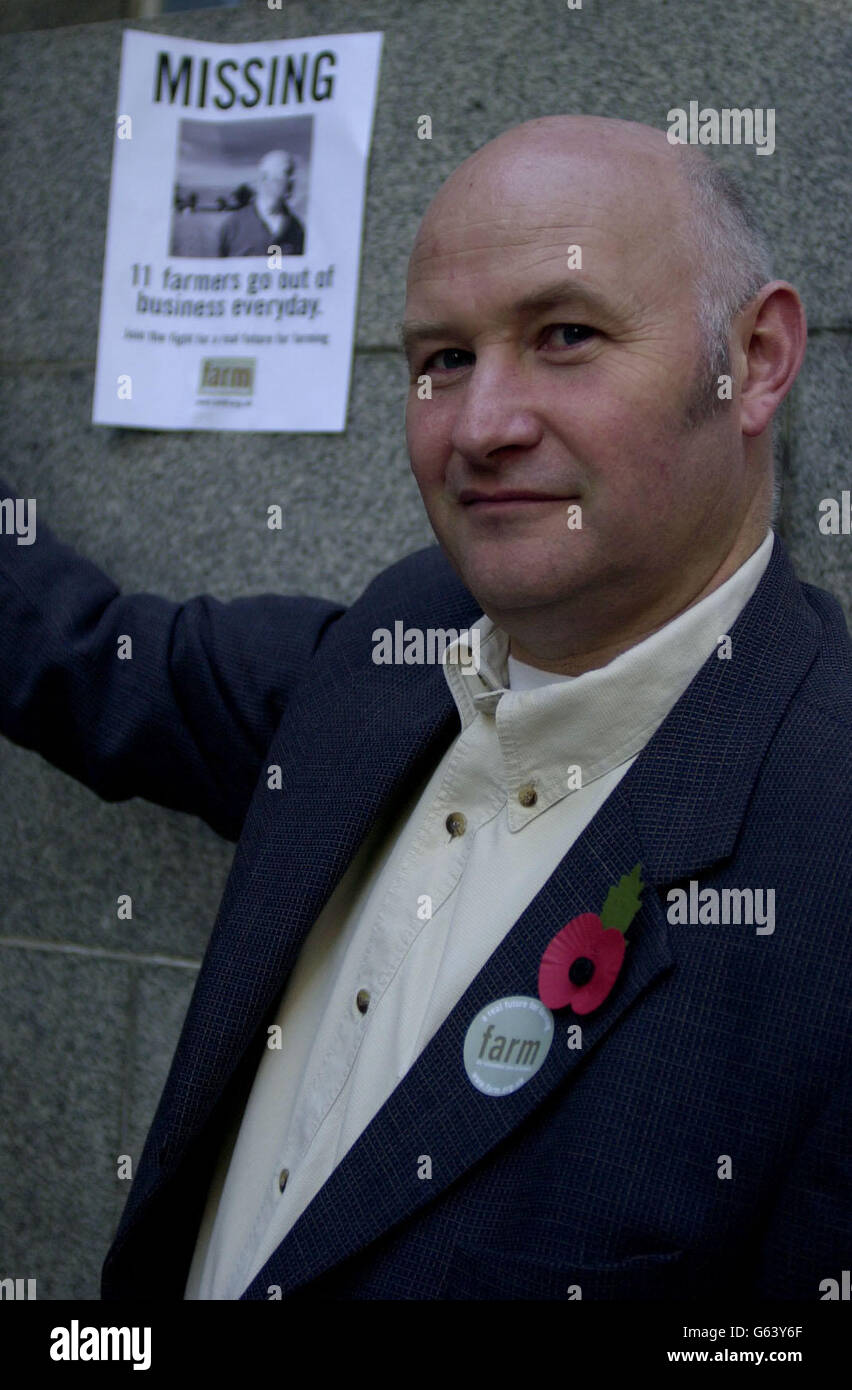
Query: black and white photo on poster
240, 186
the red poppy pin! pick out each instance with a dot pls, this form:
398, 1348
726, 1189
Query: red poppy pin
582, 962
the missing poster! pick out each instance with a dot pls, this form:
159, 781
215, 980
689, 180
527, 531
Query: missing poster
234, 234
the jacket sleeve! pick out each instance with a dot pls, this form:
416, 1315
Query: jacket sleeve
808, 1240
186, 720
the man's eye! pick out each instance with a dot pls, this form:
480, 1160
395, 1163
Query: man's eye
574, 333
451, 355
449, 359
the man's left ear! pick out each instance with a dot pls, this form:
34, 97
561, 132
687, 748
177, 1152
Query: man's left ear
769, 337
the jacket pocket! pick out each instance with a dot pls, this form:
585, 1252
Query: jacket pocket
492, 1274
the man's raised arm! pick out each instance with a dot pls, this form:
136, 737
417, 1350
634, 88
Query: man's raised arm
135, 695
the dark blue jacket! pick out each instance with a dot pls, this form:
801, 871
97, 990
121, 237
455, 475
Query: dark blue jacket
602, 1171
244, 233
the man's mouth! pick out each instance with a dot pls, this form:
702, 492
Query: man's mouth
478, 500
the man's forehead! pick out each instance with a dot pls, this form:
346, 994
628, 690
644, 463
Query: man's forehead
482, 239
601, 262
525, 194
515, 211
274, 163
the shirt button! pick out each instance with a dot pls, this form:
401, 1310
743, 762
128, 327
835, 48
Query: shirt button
456, 823
362, 999
528, 795
282, 1179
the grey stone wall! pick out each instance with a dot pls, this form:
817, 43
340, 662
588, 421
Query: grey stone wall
90, 1007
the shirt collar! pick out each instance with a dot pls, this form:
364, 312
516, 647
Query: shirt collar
601, 718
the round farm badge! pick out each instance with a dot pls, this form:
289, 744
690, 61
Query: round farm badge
506, 1044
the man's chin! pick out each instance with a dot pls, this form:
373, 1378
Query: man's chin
507, 588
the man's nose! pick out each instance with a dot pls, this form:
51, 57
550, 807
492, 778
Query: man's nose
495, 409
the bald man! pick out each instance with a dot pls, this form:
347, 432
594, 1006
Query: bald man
614, 406
267, 220
530, 976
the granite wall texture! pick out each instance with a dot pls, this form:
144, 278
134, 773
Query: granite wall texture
92, 1007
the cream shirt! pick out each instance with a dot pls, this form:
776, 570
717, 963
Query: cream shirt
521, 728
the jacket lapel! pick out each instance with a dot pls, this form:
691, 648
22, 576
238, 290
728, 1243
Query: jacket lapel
677, 811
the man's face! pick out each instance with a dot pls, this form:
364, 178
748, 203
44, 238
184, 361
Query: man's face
274, 179
569, 383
